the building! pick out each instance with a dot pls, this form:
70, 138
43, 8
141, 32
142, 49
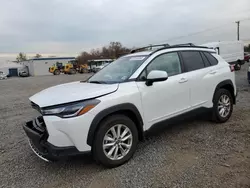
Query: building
11, 68
40, 66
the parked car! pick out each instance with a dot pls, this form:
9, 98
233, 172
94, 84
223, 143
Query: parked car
109, 113
231, 51
24, 73
2, 75
246, 57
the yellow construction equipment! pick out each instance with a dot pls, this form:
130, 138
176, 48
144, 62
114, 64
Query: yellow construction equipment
56, 69
83, 68
71, 67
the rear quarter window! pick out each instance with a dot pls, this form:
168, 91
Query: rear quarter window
205, 60
211, 58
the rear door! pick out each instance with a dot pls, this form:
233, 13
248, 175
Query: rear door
201, 76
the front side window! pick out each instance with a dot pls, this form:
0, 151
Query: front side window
168, 62
192, 60
118, 71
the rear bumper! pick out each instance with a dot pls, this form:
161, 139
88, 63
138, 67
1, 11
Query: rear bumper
37, 133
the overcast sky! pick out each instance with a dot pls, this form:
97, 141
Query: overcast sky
69, 27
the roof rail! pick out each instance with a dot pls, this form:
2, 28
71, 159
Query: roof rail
149, 47
166, 46
185, 44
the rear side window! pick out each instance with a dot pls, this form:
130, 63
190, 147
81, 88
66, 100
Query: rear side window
211, 59
192, 60
205, 60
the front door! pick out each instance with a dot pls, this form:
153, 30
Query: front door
168, 98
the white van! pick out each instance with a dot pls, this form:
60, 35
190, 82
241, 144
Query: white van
231, 51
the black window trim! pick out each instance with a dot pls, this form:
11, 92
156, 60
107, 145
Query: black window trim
180, 58
203, 56
199, 51
212, 57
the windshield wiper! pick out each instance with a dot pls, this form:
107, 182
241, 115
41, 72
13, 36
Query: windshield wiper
97, 82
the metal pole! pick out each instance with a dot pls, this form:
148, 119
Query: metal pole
238, 30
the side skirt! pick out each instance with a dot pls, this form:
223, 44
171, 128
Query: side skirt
199, 113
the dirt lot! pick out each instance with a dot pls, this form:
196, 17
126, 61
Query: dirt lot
195, 153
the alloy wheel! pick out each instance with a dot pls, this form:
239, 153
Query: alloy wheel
224, 106
117, 142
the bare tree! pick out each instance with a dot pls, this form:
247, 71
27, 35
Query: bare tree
38, 56
112, 51
21, 57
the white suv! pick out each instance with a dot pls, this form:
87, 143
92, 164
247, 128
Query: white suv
109, 113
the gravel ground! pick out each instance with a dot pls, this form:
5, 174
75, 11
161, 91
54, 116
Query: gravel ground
194, 153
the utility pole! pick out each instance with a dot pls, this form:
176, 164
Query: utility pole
238, 30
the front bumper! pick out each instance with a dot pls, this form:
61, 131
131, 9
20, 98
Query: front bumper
37, 133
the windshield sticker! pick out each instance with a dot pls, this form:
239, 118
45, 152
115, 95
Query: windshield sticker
136, 58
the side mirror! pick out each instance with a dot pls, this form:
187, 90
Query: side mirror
156, 76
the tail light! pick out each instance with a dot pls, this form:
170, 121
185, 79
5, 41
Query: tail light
232, 68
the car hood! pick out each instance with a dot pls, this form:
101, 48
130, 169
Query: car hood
71, 92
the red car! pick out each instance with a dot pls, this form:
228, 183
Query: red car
247, 56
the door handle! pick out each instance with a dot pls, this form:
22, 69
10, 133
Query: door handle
213, 72
183, 80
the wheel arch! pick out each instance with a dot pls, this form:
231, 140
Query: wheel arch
127, 109
228, 85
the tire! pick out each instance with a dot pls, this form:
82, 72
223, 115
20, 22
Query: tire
218, 97
100, 154
72, 71
56, 72
237, 66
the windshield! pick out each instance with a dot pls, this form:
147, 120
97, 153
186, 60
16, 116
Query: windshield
118, 71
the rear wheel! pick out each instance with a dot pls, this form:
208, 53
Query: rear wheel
115, 141
56, 72
72, 71
223, 106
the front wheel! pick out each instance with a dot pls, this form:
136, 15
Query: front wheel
223, 106
56, 72
115, 141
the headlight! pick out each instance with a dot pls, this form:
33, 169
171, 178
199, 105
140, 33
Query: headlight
70, 110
